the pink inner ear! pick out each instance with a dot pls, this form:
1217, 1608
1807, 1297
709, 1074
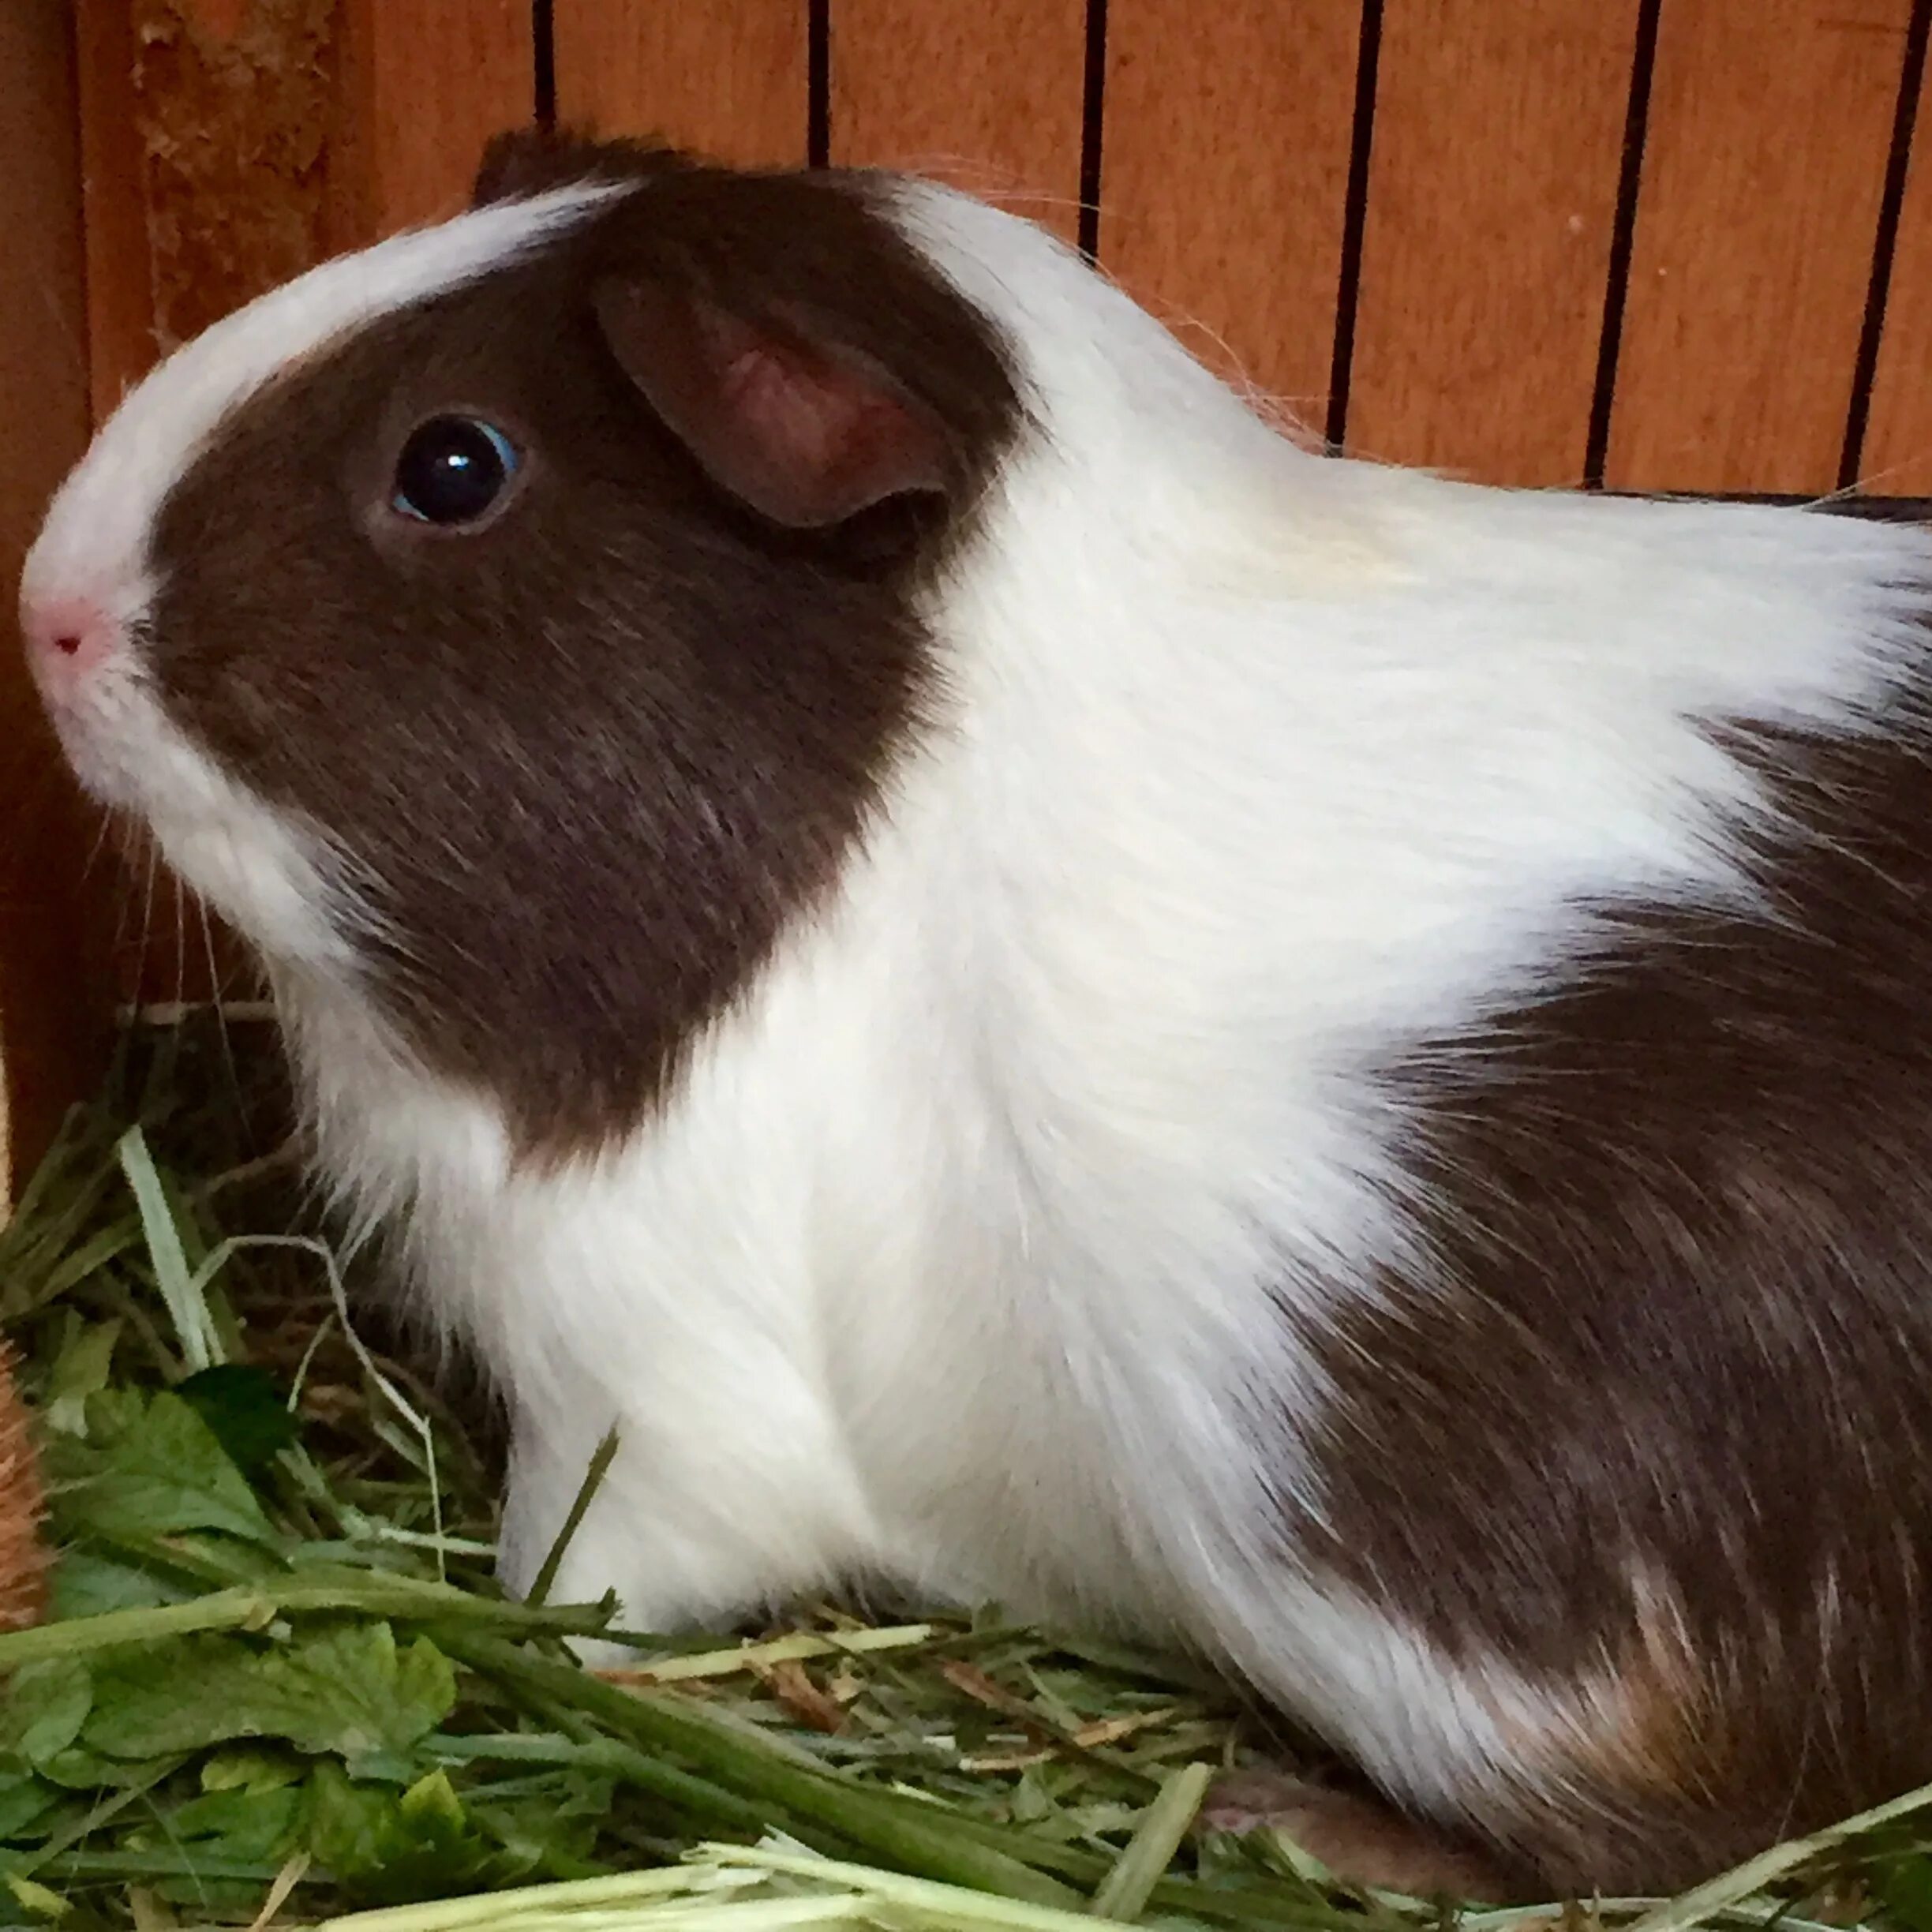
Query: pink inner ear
828, 439
827, 423
806, 435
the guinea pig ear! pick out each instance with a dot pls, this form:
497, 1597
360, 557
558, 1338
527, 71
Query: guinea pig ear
807, 432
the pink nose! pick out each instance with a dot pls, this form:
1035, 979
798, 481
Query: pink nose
66, 635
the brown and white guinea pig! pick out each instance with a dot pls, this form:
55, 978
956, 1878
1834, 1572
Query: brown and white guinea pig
1040, 992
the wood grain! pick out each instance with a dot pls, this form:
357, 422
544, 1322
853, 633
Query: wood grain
1486, 250
728, 80
230, 143
1770, 127
987, 97
1897, 457
53, 1004
206, 137
1224, 179
421, 85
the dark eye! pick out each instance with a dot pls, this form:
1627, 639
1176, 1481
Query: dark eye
452, 469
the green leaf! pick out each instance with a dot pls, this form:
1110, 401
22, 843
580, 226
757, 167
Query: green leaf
166, 1473
85, 1583
80, 1370
247, 1827
36, 1898
347, 1690
247, 1413
387, 1850
24, 1800
45, 1705
554, 1835
246, 1769
79, 1769
1907, 1892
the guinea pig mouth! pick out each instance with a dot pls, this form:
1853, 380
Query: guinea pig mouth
93, 725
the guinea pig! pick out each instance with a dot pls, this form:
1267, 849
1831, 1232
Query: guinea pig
1046, 994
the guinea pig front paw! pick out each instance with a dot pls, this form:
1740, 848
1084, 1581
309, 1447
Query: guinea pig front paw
626, 1545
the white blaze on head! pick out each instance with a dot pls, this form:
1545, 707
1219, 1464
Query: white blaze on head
91, 576
94, 548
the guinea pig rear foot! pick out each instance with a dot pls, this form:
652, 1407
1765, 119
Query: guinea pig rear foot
1361, 1840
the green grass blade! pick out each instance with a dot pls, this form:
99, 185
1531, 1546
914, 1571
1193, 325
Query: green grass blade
1127, 1887
193, 1328
604, 1454
743, 1760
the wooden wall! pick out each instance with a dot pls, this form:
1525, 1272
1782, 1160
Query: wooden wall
1654, 244
49, 1007
1645, 244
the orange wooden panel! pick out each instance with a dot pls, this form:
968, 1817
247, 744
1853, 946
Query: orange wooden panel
207, 125
987, 96
1897, 456
231, 143
423, 83
120, 282
1492, 193
726, 77
1770, 123
1224, 179
52, 1006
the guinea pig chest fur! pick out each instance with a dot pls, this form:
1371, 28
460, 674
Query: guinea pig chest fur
1043, 995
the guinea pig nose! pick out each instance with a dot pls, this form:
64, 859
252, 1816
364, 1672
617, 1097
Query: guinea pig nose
70, 629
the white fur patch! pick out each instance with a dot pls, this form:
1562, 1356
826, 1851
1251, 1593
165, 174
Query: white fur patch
95, 544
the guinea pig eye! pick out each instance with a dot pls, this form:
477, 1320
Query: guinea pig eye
452, 469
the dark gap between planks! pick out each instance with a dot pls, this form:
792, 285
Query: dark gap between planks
543, 47
1093, 106
1885, 246
1354, 221
1623, 241
818, 83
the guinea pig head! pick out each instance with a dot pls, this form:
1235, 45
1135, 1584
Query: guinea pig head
515, 623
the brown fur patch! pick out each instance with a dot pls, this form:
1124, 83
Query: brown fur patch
1658, 1395
589, 761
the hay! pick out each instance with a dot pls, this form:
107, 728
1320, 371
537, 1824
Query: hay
278, 1682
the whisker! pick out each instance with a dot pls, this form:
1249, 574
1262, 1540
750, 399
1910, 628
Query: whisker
217, 994
105, 815
170, 1064
135, 982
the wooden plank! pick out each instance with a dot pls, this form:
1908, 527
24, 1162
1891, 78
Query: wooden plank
120, 265
728, 81
230, 143
51, 1002
1486, 250
987, 97
1762, 177
1224, 179
422, 85
205, 129
1897, 456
